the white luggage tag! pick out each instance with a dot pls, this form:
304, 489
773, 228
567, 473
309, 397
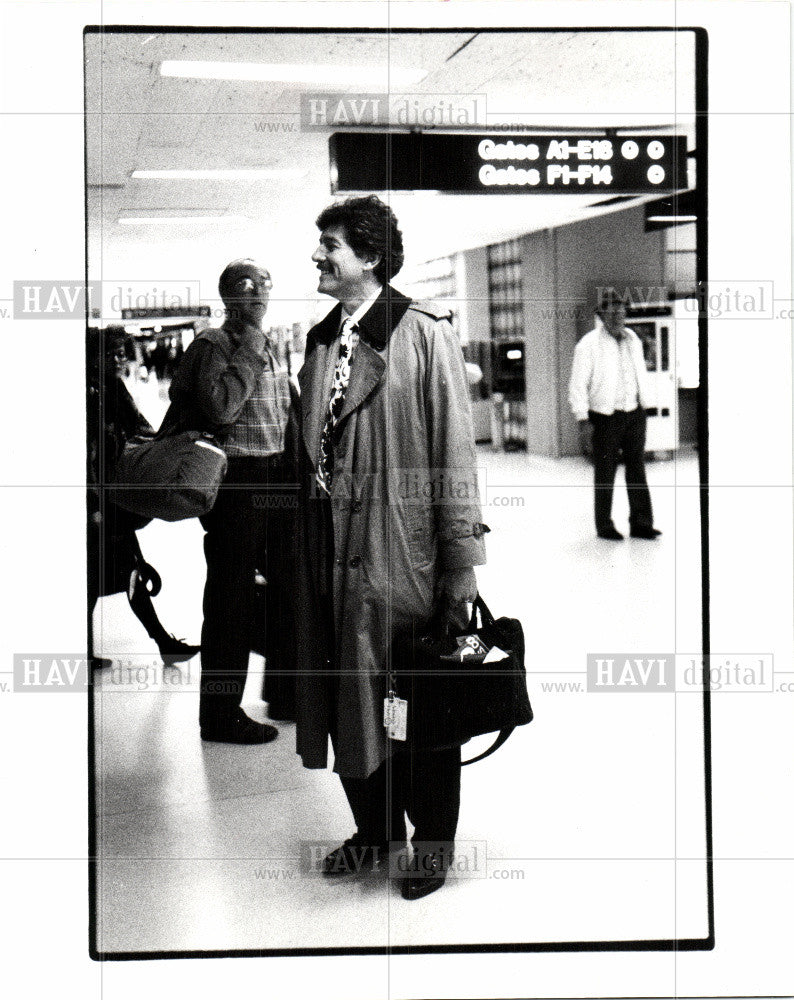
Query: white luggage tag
395, 713
395, 717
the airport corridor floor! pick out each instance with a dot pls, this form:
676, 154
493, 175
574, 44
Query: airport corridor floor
569, 837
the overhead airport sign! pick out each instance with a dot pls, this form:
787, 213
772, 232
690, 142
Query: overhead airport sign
167, 312
507, 163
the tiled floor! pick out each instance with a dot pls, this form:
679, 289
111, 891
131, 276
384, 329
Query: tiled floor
573, 826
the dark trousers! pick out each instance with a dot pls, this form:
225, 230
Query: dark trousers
237, 531
424, 785
275, 629
114, 555
618, 433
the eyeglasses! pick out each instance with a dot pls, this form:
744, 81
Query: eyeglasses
245, 285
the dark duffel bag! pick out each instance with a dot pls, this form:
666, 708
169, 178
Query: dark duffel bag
464, 685
173, 477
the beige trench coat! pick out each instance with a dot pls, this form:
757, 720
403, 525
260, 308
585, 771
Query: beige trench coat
405, 507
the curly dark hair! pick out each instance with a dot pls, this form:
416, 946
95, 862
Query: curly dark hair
370, 227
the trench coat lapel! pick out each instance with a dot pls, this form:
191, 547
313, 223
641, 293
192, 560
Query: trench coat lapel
365, 376
369, 364
311, 380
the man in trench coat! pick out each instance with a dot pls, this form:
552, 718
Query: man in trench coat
390, 531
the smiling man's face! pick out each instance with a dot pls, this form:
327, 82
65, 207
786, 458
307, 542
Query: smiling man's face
343, 274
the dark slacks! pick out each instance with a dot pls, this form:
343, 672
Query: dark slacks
237, 530
113, 556
275, 628
424, 785
620, 432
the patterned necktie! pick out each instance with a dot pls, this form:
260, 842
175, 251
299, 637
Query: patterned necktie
325, 466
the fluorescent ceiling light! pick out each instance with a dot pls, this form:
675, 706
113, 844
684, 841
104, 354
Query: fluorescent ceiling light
672, 218
218, 175
292, 72
180, 220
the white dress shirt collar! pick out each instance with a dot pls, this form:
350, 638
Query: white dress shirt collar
365, 306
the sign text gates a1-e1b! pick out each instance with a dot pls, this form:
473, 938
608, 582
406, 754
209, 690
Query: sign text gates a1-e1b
501, 164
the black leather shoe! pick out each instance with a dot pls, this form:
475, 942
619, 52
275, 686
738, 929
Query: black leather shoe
175, 651
239, 729
650, 533
611, 534
354, 857
426, 874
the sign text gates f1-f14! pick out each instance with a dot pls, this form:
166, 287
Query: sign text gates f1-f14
497, 164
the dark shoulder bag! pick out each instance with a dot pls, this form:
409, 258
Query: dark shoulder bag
175, 475
465, 685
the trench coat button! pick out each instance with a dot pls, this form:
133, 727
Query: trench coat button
355, 560
357, 505
340, 562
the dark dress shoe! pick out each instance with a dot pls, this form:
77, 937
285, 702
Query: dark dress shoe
644, 532
239, 729
355, 857
175, 651
426, 874
611, 534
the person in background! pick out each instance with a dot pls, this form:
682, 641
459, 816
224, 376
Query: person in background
608, 392
159, 360
383, 397
115, 561
230, 383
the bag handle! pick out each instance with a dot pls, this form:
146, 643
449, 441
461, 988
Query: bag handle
485, 615
504, 734
440, 628
503, 737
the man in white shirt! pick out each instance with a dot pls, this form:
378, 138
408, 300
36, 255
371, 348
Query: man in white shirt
608, 393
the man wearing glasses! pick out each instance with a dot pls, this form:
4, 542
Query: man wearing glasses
230, 382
